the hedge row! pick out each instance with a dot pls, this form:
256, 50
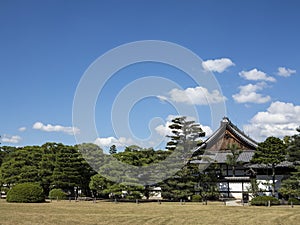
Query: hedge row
264, 200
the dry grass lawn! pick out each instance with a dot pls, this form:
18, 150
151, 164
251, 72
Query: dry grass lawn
65, 212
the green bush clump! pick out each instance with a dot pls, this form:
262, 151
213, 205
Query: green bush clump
26, 193
196, 198
134, 195
263, 200
57, 194
294, 200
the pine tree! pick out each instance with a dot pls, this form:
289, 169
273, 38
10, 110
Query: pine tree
182, 176
47, 164
293, 150
66, 172
21, 166
271, 152
232, 160
113, 149
185, 134
181, 186
291, 186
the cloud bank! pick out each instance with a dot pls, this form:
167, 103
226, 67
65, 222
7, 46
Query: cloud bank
248, 94
55, 128
256, 75
15, 139
194, 96
217, 65
285, 72
279, 120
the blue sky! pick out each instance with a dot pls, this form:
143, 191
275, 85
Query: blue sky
252, 48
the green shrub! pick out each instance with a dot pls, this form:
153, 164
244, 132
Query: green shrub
26, 192
294, 200
263, 200
196, 198
134, 195
57, 194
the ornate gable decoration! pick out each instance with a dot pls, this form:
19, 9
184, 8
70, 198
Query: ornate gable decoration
228, 135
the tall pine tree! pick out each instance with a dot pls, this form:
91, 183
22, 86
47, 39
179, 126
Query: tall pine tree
66, 172
293, 150
271, 152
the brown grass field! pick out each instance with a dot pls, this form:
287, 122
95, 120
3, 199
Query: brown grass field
65, 212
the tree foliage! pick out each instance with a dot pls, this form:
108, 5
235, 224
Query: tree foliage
21, 165
293, 150
57, 194
100, 186
113, 149
66, 174
26, 193
183, 141
185, 134
271, 152
291, 186
52, 165
58, 166
264, 201
232, 160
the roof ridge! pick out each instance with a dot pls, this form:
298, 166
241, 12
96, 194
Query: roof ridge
242, 134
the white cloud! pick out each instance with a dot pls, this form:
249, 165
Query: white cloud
197, 96
248, 93
280, 119
55, 128
217, 65
162, 98
22, 129
164, 130
208, 131
109, 141
285, 72
256, 75
11, 139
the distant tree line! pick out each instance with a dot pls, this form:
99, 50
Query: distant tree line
59, 166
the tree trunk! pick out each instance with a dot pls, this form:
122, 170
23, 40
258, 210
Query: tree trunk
273, 180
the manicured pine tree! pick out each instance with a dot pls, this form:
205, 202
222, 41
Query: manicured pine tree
21, 166
293, 150
271, 152
185, 134
66, 172
290, 186
113, 149
184, 139
47, 164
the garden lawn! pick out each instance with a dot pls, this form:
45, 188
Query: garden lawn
65, 212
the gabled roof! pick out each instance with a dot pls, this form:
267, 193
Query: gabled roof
226, 135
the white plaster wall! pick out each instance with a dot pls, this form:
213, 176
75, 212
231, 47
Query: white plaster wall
265, 183
236, 188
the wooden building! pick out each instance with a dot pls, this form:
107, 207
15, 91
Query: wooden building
235, 181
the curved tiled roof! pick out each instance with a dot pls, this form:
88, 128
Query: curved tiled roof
226, 124
241, 134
